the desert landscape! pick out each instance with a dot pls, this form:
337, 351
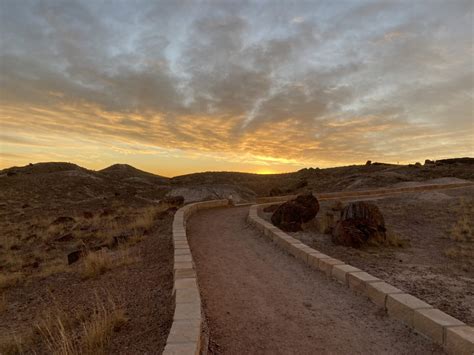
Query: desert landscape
202, 177
87, 256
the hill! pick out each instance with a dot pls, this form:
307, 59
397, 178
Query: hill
128, 173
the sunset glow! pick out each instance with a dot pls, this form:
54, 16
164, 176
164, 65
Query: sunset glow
180, 87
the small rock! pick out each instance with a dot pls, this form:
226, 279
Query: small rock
74, 256
88, 215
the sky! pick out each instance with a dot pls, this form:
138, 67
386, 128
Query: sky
175, 87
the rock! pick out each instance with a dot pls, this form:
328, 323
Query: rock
63, 220
417, 163
88, 215
74, 256
360, 223
369, 162
290, 215
429, 162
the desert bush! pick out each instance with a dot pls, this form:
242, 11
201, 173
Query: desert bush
97, 263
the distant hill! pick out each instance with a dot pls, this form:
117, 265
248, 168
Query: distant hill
125, 172
66, 181
42, 168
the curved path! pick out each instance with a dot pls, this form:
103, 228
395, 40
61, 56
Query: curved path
259, 300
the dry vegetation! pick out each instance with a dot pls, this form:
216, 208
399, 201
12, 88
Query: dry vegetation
69, 333
462, 233
39, 246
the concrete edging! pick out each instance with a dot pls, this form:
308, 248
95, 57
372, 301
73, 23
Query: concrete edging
186, 332
452, 334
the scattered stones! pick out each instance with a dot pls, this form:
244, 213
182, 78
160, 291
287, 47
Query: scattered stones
360, 223
290, 215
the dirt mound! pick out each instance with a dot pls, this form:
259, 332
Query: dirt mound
215, 192
292, 214
361, 223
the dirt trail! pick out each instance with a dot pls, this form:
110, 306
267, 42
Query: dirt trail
259, 300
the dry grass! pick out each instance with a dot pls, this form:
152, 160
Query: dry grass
395, 240
13, 345
99, 328
91, 335
9, 280
462, 233
3, 303
463, 228
10, 242
38, 241
97, 263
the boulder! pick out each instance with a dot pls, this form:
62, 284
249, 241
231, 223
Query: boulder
361, 223
291, 214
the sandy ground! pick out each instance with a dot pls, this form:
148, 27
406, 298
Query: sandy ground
257, 299
142, 289
430, 265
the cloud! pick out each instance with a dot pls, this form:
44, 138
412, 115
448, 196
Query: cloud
341, 84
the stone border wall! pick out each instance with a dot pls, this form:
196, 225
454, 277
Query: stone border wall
187, 335
453, 335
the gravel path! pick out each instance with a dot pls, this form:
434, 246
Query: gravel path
257, 299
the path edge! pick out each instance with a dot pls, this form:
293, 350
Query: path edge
187, 333
453, 335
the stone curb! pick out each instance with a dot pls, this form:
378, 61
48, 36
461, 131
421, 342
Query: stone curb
186, 333
452, 334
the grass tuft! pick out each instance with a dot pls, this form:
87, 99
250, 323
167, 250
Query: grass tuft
99, 262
